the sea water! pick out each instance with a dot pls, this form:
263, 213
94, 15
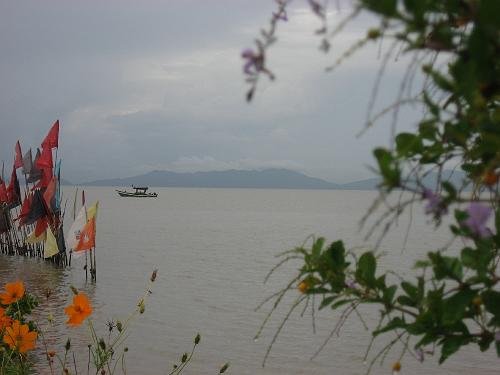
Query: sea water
213, 249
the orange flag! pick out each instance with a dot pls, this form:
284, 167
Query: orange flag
87, 236
49, 193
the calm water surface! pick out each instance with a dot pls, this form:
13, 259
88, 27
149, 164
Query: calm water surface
213, 248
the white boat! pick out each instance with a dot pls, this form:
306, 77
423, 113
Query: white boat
140, 192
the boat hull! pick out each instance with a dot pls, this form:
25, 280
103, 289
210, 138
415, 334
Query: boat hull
127, 194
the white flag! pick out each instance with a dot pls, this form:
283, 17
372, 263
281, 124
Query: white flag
73, 236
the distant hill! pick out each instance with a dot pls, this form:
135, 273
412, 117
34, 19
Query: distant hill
456, 178
252, 179
265, 179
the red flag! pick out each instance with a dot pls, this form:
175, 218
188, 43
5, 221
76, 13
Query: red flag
49, 193
87, 236
45, 159
45, 180
25, 209
3, 192
18, 161
41, 225
52, 139
13, 191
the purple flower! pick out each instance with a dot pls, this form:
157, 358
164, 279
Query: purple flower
420, 354
350, 283
254, 62
280, 16
317, 8
434, 206
478, 217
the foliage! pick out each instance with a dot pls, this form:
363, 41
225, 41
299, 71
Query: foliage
454, 299
106, 353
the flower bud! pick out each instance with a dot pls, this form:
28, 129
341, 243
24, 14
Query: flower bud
153, 275
119, 325
102, 344
184, 357
142, 308
224, 368
68, 345
197, 339
396, 367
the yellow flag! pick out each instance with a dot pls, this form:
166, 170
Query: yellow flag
92, 211
50, 248
33, 239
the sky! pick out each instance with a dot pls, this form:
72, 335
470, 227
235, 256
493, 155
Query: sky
158, 85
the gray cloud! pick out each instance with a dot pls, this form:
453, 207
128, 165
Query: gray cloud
158, 84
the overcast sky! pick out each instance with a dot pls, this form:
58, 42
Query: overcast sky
145, 85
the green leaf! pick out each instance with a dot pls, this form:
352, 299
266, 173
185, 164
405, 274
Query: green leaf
406, 301
395, 323
468, 257
446, 267
451, 344
410, 289
326, 301
365, 274
383, 7
341, 303
388, 167
454, 306
491, 300
408, 144
433, 108
316, 248
389, 294
336, 254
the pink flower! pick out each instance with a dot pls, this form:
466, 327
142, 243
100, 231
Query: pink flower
478, 217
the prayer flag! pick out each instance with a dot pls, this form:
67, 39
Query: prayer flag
49, 194
73, 235
35, 173
92, 211
45, 159
34, 239
52, 139
25, 209
27, 162
18, 161
41, 225
50, 248
3, 192
87, 236
37, 208
4, 220
13, 191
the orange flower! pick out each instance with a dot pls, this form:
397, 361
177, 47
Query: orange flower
490, 178
5, 320
15, 291
79, 310
19, 337
303, 286
396, 367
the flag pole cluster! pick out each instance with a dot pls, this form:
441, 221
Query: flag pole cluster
31, 217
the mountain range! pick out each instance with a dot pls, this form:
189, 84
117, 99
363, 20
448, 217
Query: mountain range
254, 179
